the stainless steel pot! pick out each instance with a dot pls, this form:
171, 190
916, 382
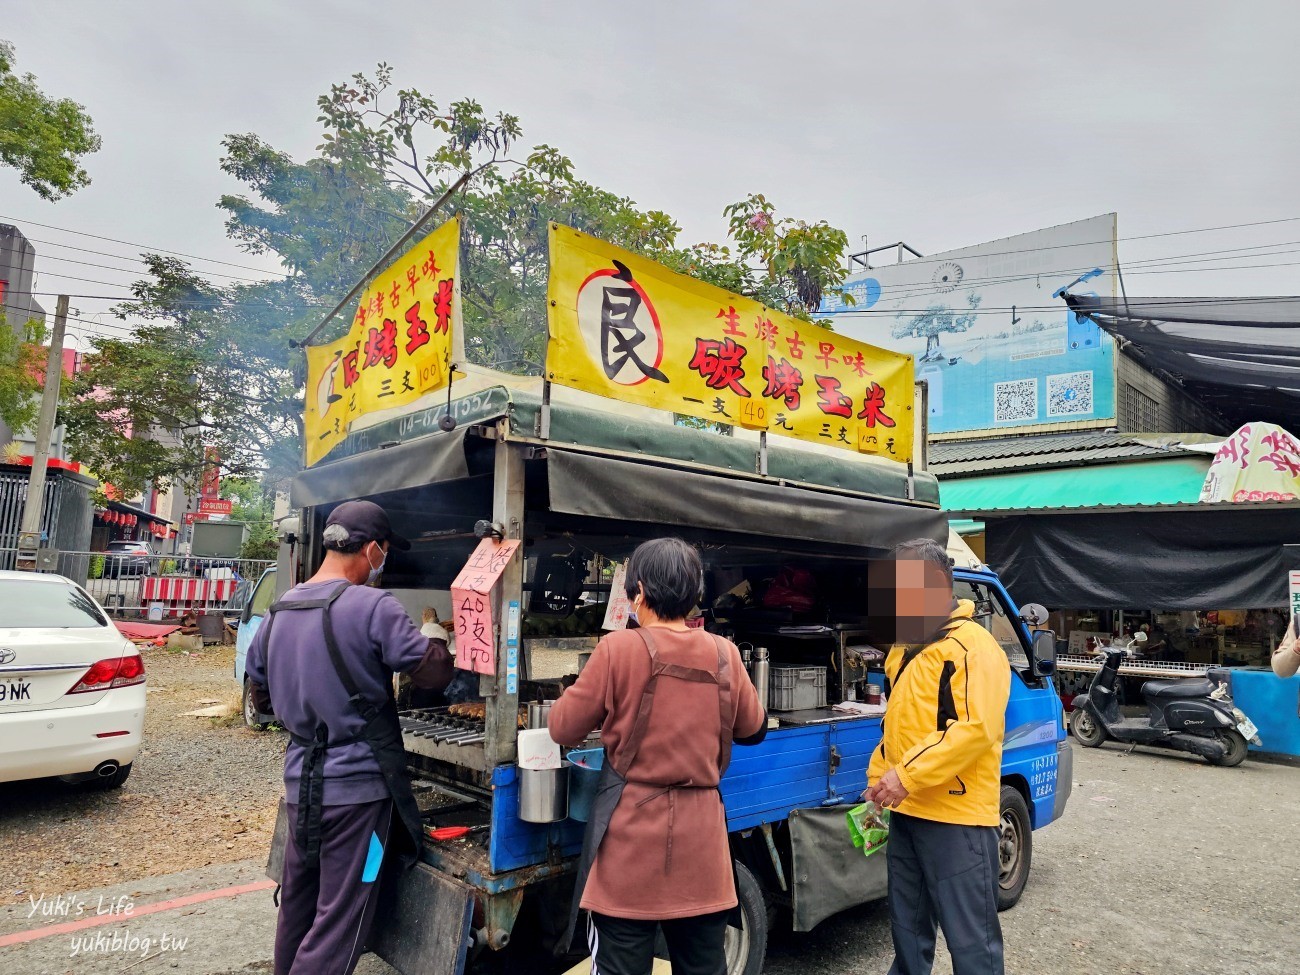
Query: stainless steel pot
544, 794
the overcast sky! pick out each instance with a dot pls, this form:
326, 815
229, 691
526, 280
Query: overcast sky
943, 124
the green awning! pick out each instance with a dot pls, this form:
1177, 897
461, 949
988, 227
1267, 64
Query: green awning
1137, 484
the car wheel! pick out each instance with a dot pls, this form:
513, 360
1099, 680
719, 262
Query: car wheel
109, 783
251, 713
1015, 847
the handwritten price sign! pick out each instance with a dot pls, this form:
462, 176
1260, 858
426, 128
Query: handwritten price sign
471, 600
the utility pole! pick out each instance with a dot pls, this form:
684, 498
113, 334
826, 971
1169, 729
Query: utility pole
29, 535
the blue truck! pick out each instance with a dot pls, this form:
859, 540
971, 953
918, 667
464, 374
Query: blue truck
580, 488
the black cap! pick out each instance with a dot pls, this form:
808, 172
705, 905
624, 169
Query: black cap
365, 521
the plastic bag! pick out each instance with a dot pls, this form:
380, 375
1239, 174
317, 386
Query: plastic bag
868, 827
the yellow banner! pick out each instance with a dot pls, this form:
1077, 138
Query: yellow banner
625, 327
400, 347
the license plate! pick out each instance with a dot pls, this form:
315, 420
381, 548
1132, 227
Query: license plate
1247, 729
14, 691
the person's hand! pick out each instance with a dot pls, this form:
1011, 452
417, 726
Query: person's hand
889, 791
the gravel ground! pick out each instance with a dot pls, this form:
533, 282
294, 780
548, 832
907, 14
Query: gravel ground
202, 791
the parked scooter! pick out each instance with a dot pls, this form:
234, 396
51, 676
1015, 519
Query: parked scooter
1189, 715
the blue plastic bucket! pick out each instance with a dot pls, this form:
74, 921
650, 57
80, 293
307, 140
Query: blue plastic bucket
584, 775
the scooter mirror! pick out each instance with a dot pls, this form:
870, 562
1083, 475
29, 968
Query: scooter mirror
1034, 614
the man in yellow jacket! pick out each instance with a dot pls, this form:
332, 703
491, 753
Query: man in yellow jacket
938, 767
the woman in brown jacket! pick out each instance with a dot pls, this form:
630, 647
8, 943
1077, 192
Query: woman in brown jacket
669, 702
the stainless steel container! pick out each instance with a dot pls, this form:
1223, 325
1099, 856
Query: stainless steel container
761, 672
544, 794
539, 713
873, 693
583, 657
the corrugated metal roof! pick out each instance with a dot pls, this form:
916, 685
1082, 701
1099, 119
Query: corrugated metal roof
964, 458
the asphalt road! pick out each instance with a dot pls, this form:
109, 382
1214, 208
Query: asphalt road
1162, 865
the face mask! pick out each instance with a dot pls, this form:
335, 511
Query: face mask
376, 570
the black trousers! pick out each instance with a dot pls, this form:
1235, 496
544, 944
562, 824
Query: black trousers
326, 912
623, 947
943, 875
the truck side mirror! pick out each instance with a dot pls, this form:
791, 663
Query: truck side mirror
1044, 653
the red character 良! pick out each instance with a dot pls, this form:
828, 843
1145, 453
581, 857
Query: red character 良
381, 346
873, 407
350, 372
730, 321
721, 363
783, 381
830, 400
417, 329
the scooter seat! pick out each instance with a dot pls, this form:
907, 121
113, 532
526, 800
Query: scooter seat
1171, 690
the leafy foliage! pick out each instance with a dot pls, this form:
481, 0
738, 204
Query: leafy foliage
216, 362
21, 362
43, 138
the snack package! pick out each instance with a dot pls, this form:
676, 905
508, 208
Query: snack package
868, 827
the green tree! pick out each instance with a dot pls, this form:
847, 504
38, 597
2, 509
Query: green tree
219, 360
21, 361
43, 138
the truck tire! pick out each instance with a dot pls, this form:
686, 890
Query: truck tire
249, 708
1015, 847
747, 946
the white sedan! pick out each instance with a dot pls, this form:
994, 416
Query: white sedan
71, 686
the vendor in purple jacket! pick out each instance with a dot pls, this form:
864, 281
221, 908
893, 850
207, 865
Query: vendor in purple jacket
323, 662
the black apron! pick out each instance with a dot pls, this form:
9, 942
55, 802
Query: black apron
382, 733
614, 776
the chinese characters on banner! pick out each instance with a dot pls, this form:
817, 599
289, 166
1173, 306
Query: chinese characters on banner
406, 333
1259, 462
471, 603
625, 327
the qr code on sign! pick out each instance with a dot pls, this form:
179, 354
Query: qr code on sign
1069, 394
1015, 401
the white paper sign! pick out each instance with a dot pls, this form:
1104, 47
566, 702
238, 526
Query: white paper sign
619, 606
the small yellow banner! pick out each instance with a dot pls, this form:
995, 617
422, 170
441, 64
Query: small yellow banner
628, 328
399, 348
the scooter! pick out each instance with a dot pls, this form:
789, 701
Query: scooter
1186, 715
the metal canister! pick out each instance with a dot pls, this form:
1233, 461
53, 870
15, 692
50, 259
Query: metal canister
544, 794
539, 713
873, 693
761, 673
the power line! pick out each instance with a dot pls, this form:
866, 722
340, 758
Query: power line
129, 243
129, 270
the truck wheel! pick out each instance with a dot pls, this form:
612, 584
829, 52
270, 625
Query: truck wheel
1086, 728
1015, 848
1236, 745
747, 946
250, 708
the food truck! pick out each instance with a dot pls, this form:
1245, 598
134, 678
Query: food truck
579, 488
788, 455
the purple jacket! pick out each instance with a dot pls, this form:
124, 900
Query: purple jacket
377, 639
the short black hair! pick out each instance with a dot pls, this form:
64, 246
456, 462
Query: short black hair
671, 573
926, 550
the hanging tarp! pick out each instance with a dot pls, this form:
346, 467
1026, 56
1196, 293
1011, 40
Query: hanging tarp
1239, 356
1260, 462
1191, 557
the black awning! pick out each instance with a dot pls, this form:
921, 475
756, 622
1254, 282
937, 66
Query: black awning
1219, 557
1239, 356
439, 457
620, 490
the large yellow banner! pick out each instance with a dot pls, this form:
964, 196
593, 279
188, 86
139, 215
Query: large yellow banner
400, 347
625, 327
